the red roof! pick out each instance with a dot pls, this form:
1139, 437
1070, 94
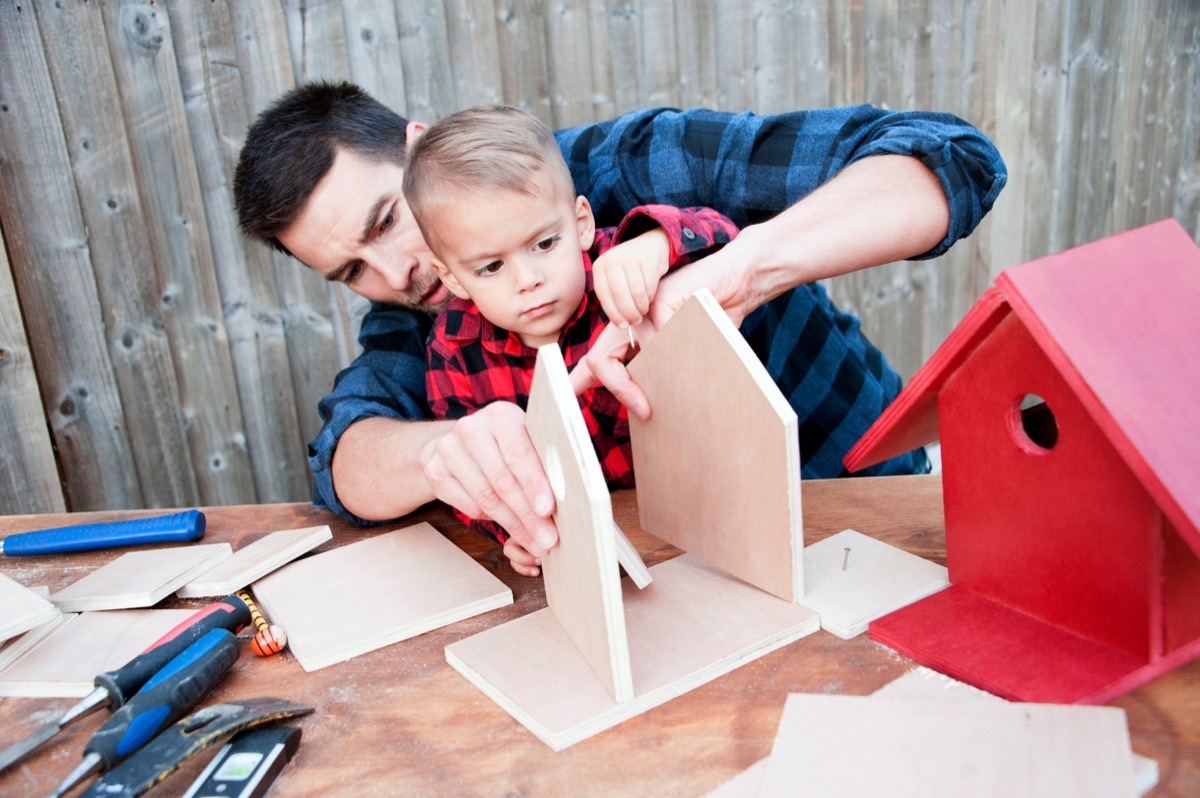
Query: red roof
1120, 319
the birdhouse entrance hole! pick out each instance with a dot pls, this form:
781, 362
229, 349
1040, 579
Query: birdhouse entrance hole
1034, 427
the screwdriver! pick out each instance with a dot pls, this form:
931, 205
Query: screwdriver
166, 698
114, 688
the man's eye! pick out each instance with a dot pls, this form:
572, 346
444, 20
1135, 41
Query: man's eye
547, 244
488, 269
386, 222
352, 273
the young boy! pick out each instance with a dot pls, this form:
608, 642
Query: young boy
521, 253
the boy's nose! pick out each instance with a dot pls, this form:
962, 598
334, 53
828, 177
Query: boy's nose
526, 277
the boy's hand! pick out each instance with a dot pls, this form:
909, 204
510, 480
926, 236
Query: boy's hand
521, 560
626, 277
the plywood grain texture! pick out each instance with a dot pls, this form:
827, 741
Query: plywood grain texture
583, 581
140, 578
254, 561
692, 625
354, 599
66, 661
21, 609
718, 461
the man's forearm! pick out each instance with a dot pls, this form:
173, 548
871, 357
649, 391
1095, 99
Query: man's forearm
377, 466
877, 210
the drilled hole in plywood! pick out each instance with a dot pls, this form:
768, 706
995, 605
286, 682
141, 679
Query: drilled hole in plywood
1035, 427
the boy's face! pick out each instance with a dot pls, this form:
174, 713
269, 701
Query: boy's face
517, 256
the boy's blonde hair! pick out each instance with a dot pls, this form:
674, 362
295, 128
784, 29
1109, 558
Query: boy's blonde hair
480, 148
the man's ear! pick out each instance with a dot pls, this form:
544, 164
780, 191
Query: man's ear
413, 132
585, 222
449, 279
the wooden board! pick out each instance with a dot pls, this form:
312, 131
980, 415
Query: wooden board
851, 579
357, 598
917, 683
718, 461
583, 581
869, 746
630, 559
15, 647
21, 609
254, 561
65, 662
692, 625
140, 578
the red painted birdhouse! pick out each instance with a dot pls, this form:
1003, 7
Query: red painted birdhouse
1067, 403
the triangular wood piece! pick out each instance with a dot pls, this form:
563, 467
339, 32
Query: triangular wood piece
65, 662
718, 461
851, 579
367, 595
140, 578
869, 746
21, 609
692, 625
255, 561
583, 583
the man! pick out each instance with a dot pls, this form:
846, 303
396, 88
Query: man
817, 194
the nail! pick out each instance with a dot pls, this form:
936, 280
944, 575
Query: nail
846, 559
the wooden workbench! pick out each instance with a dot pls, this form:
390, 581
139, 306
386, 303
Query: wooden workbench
400, 721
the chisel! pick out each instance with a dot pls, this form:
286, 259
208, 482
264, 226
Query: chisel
175, 528
164, 699
114, 688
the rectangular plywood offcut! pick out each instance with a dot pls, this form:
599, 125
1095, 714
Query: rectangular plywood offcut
255, 561
140, 578
851, 579
357, 598
718, 461
21, 609
65, 662
693, 624
870, 746
583, 582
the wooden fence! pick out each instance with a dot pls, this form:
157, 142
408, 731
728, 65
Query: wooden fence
150, 357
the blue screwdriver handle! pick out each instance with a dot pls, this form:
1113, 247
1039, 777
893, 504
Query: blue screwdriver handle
176, 528
166, 698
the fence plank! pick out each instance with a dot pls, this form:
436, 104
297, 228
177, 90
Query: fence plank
216, 113
144, 61
474, 49
569, 51
425, 54
47, 248
105, 180
524, 64
28, 474
775, 56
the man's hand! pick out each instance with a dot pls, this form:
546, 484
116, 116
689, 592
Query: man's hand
486, 467
626, 276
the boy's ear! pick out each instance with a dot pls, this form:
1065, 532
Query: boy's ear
449, 279
585, 222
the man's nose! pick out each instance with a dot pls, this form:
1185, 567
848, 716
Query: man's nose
397, 270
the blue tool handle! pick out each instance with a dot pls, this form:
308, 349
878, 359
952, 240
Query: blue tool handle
176, 528
229, 613
166, 698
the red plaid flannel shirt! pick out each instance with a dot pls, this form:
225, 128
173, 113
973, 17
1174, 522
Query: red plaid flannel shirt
472, 362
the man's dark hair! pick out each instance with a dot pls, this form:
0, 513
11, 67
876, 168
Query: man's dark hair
292, 144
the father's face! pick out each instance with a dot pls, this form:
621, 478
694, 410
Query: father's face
357, 229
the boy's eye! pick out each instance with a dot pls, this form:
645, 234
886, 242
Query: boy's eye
546, 244
488, 269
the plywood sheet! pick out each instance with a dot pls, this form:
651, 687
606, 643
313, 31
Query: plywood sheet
21, 609
65, 663
15, 647
582, 578
140, 578
870, 746
357, 598
718, 461
851, 579
255, 561
693, 624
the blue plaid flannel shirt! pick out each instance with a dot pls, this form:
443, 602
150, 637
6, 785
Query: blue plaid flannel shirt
748, 167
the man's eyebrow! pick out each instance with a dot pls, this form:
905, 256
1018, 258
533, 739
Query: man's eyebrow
335, 276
